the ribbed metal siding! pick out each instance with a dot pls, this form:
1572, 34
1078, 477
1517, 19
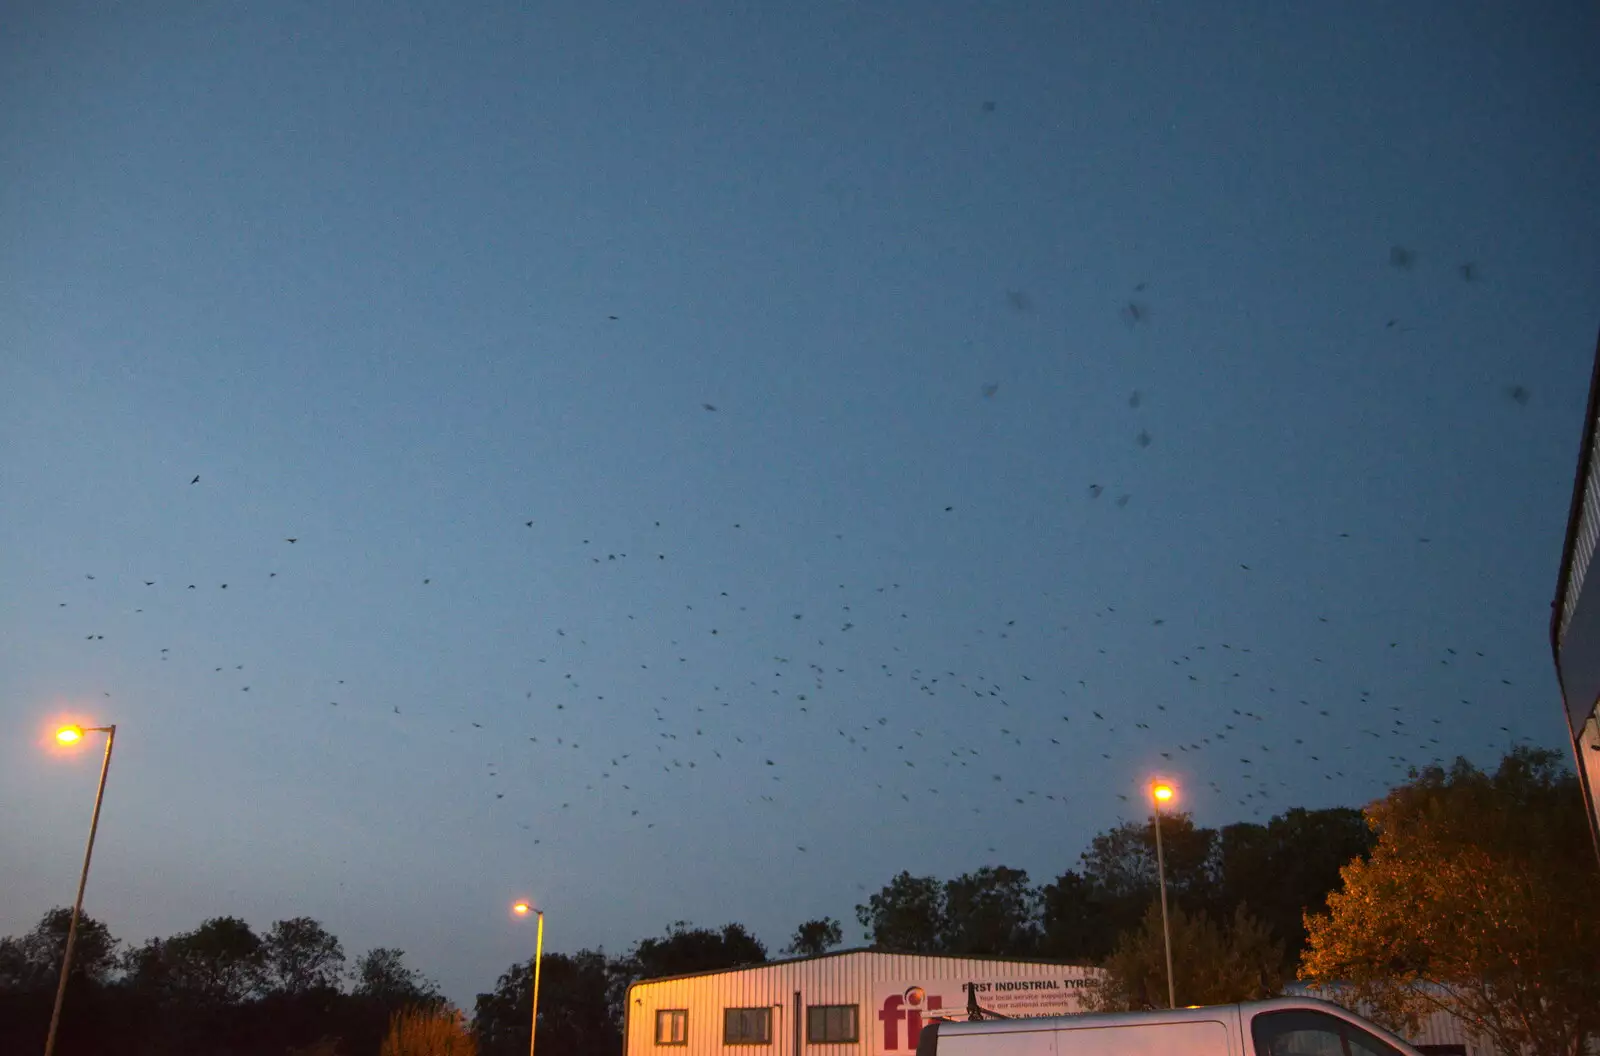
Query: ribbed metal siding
1583, 542
847, 979
1442, 1028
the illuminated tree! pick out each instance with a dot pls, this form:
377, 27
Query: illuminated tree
1211, 965
428, 1030
1478, 900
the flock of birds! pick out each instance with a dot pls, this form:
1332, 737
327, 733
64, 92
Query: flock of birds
884, 701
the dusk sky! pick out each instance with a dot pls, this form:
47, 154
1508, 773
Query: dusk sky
695, 461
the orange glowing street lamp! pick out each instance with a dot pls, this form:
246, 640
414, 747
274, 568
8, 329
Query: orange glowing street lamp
70, 735
522, 909
1162, 792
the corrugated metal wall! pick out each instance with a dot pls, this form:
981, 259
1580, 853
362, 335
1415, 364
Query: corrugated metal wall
856, 978
843, 979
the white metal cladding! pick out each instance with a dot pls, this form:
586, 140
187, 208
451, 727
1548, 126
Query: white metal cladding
838, 979
1441, 1028
1583, 543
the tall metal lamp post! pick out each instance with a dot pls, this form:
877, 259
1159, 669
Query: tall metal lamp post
72, 735
1162, 792
522, 909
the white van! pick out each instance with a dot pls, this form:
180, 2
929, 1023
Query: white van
1283, 1026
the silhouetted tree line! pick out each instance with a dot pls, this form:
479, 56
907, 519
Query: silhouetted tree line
223, 989
220, 989
1275, 872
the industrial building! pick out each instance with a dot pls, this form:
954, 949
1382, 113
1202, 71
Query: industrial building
850, 1003
866, 1003
1575, 613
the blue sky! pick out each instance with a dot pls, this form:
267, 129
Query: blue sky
396, 280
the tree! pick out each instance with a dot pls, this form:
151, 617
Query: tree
815, 937
15, 971
684, 949
1285, 869
33, 961
1477, 900
907, 916
577, 1015
991, 912
218, 963
428, 1030
381, 974
1210, 965
1074, 922
1121, 864
1083, 912
300, 955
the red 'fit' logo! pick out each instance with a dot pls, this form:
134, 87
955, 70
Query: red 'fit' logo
907, 1006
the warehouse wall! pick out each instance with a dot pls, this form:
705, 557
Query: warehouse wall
888, 1019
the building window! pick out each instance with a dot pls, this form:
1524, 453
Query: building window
747, 1026
832, 1024
672, 1026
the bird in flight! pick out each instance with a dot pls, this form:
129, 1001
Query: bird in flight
709, 406
294, 540
196, 479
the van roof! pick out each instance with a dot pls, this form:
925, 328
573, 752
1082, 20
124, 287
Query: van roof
951, 1028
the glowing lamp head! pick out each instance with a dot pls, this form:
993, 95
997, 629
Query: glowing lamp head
1163, 792
69, 734
522, 909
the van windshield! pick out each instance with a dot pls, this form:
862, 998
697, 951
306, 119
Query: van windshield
1305, 1032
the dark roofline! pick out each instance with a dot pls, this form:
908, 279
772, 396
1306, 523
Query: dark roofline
853, 950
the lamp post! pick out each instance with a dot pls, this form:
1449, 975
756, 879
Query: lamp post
72, 735
522, 909
1161, 792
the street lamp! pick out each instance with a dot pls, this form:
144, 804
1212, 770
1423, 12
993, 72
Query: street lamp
69, 735
522, 909
1162, 792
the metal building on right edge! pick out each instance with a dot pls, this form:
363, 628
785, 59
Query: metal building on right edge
1575, 613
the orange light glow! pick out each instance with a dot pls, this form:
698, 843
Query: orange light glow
1163, 792
522, 909
69, 734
